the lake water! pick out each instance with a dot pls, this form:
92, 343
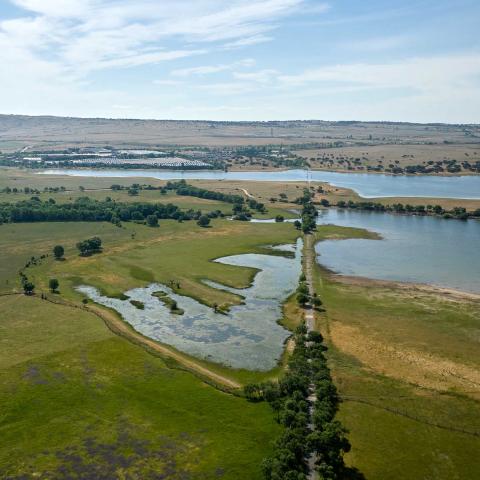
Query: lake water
416, 249
366, 185
247, 337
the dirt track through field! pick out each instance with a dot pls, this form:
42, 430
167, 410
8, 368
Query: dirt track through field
119, 327
246, 192
309, 259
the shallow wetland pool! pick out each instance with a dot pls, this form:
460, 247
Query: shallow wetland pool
247, 336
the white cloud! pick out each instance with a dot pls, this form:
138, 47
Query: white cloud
50, 52
56, 8
247, 41
209, 69
423, 74
86, 35
168, 82
377, 44
228, 88
262, 76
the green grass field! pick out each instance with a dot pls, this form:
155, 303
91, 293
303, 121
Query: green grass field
182, 252
98, 404
79, 402
406, 364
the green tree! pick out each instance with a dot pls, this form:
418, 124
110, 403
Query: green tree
58, 252
302, 299
152, 220
53, 284
302, 288
28, 288
317, 303
87, 247
203, 221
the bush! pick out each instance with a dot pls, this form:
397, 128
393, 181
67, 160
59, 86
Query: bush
58, 252
90, 246
28, 288
152, 221
53, 284
203, 221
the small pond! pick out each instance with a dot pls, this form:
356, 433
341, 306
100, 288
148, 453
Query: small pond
248, 336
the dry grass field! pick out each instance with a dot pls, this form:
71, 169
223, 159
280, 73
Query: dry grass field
399, 155
18, 131
284, 193
405, 360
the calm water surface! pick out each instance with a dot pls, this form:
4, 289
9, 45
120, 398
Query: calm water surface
366, 185
414, 249
247, 337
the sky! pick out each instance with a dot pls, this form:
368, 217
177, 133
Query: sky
415, 61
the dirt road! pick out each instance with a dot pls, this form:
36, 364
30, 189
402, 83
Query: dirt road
119, 327
309, 315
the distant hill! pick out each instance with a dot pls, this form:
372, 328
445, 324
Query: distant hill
19, 131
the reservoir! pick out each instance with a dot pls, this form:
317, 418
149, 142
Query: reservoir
365, 184
416, 249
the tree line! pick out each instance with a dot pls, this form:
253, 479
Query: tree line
85, 209
460, 213
240, 207
183, 188
32, 190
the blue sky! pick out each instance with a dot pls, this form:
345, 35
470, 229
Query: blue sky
242, 59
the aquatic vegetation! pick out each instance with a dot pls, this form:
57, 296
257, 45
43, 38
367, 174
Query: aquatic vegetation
247, 336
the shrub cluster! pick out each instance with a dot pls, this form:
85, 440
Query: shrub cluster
303, 295
309, 212
90, 246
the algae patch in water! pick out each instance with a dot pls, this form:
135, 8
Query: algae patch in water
247, 336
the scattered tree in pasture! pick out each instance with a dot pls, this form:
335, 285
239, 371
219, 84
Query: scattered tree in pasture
53, 284
90, 246
152, 220
203, 221
28, 288
58, 252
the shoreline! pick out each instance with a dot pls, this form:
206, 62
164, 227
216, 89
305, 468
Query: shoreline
251, 169
359, 280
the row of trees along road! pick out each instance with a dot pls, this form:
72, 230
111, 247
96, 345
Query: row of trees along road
289, 399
